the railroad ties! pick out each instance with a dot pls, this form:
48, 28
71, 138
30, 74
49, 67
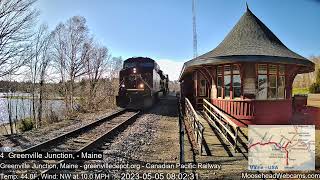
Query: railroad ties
88, 138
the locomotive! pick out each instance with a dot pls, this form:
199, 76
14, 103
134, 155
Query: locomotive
141, 82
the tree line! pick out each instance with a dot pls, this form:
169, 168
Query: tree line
67, 61
308, 79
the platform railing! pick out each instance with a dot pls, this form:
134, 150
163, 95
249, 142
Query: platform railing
181, 132
223, 123
192, 119
240, 109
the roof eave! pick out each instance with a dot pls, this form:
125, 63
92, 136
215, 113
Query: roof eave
309, 65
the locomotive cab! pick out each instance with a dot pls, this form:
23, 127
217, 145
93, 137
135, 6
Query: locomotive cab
140, 83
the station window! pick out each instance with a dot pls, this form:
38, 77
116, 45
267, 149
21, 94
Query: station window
229, 80
272, 87
271, 81
262, 87
236, 81
281, 88
262, 81
202, 88
219, 81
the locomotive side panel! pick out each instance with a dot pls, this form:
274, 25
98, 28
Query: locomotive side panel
156, 81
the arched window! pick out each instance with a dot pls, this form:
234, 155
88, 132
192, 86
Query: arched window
203, 86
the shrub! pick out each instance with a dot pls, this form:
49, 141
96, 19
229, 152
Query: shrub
315, 87
26, 124
318, 77
52, 117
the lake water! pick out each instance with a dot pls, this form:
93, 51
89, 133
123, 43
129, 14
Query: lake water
22, 108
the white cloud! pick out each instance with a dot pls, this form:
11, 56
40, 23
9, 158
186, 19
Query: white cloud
170, 67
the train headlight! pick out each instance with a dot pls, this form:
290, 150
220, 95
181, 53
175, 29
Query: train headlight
134, 70
141, 86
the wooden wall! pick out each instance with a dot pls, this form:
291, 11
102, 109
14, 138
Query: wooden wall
214, 92
187, 87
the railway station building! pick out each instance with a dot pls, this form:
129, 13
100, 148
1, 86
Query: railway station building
248, 76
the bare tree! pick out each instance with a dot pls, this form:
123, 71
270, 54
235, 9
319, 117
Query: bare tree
306, 79
38, 66
70, 52
10, 105
45, 60
17, 18
95, 65
115, 66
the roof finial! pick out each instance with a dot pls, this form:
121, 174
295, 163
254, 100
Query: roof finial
247, 6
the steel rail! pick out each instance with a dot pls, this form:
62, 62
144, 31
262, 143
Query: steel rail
98, 142
76, 132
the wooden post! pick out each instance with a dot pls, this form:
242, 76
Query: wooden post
201, 138
242, 74
236, 140
222, 83
196, 83
290, 73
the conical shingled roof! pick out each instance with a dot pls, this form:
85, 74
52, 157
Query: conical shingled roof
251, 37
250, 40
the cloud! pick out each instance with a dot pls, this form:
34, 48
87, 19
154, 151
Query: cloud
170, 67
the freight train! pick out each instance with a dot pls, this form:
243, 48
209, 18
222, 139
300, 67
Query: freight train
141, 82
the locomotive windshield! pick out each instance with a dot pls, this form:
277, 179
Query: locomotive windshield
150, 64
135, 64
129, 64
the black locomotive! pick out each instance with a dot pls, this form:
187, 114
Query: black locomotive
141, 83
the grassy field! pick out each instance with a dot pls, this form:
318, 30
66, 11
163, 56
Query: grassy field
300, 91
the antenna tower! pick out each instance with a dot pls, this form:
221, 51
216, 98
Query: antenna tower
195, 45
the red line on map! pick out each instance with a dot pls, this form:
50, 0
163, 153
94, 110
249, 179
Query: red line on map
278, 145
287, 153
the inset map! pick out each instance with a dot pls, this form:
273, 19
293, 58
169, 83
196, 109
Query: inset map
281, 147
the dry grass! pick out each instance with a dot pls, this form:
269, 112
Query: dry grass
314, 100
4, 129
317, 149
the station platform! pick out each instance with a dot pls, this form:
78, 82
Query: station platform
216, 150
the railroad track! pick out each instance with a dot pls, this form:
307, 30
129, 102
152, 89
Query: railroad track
87, 138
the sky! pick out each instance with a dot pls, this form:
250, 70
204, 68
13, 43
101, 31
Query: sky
162, 29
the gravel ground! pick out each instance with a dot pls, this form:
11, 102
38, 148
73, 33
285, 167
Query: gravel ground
36, 136
152, 138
